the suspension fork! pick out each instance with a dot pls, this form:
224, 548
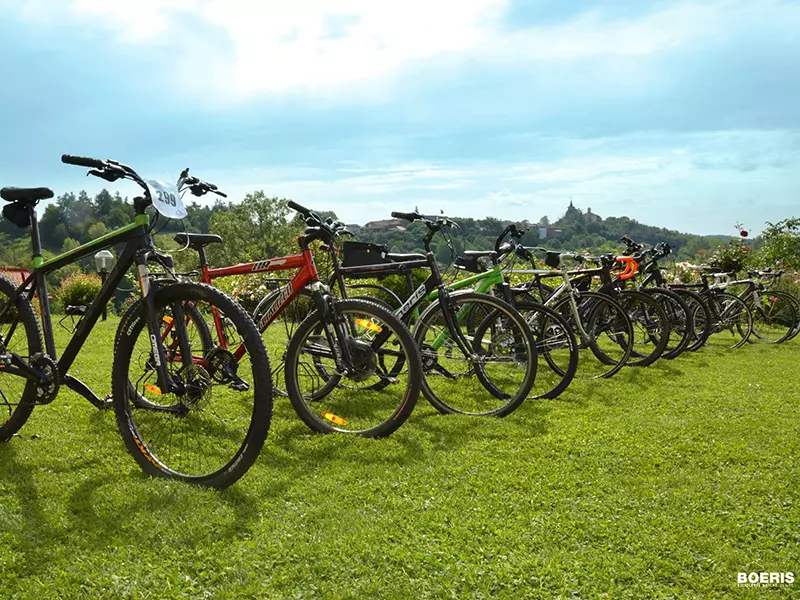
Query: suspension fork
453, 325
165, 383
333, 325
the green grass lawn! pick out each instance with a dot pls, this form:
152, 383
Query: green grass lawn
661, 483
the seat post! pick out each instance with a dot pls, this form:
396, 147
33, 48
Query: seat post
201, 252
36, 240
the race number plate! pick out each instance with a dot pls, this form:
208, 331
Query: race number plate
167, 199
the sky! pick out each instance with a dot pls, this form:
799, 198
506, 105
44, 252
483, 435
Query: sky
679, 114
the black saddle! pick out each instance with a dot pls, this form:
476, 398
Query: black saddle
25, 195
197, 240
405, 257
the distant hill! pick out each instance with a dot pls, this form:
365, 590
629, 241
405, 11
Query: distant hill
575, 230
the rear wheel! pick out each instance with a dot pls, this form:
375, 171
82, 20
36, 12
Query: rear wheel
774, 316
650, 327
19, 334
556, 348
604, 333
732, 322
498, 370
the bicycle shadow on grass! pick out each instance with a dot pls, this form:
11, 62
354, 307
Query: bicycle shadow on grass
99, 511
293, 451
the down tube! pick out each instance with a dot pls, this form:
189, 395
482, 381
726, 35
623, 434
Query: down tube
96, 308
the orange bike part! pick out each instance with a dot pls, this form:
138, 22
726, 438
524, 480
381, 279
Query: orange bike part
631, 266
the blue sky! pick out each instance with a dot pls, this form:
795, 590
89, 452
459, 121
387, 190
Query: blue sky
679, 114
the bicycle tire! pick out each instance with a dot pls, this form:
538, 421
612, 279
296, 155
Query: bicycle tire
719, 311
680, 320
785, 326
17, 416
522, 337
322, 420
590, 305
701, 318
652, 316
565, 338
130, 418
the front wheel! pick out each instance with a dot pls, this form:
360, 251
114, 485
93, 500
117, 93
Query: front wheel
369, 396
211, 431
494, 371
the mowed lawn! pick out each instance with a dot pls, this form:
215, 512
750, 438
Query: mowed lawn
661, 483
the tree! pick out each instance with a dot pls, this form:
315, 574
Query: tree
256, 228
544, 221
780, 244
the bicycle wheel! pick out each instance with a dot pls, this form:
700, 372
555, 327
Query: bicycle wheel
680, 320
650, 327
348, 402
495, 371
701, 318
732, 322
774, 316
19, 334
604, 332
556, 348
212, 432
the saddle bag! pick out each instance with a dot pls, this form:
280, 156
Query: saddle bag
361, 254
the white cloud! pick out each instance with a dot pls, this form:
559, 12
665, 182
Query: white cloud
284, 45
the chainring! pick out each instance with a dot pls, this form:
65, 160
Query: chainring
46, 392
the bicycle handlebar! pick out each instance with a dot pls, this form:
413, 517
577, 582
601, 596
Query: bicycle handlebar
197, 186
83, 161
407, 216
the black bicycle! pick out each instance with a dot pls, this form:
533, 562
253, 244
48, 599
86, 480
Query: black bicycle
478, 354
182, 410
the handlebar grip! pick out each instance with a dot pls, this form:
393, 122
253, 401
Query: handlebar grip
405, 216
297, 207
218, 193
82, 161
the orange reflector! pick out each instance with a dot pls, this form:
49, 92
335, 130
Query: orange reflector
367, 324
333, 418
167, 319
152, 388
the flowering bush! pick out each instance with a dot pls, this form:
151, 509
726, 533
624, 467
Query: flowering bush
736, 255
78, 289
684, 273
249, 290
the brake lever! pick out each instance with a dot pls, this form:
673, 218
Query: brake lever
109, 176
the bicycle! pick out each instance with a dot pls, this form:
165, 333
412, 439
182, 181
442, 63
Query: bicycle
473, 338
600, 323
773, 313
217, 432
686, 311
729, 313
555, 343
353, 340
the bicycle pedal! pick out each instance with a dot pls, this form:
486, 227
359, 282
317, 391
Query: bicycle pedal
239, 385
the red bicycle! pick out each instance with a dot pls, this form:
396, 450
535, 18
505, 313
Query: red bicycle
338, 364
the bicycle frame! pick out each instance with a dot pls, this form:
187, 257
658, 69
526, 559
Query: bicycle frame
306, 275
138, 250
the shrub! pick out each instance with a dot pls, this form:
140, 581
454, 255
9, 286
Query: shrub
78, 289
